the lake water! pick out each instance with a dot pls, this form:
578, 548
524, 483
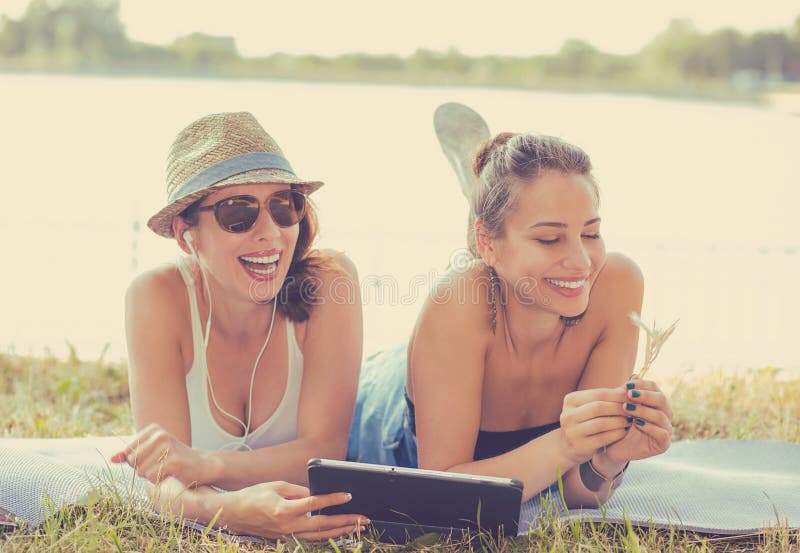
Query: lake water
702, 196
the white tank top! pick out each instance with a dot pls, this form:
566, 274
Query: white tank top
280, 427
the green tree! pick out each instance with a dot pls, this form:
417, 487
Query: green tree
574, 59
768, 53
716, 56
668, 54
12, 38
204, 51
69, 32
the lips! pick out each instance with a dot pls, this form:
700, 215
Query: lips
570, 287
261, 265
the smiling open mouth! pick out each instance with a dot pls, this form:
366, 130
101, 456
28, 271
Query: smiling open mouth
263, 266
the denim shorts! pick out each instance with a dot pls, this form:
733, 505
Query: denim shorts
380, 433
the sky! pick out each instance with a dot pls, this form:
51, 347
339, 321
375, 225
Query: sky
506, 27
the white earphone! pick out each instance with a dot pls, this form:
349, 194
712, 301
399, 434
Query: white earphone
187, 236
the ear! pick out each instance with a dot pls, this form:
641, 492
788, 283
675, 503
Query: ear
485, 243
179, 226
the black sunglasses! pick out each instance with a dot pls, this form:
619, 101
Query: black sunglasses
240, 213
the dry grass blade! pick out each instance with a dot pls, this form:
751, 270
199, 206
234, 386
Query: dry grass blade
656, 338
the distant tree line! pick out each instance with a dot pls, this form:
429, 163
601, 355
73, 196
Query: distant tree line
87, 35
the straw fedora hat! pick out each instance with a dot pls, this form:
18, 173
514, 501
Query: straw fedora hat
216, 151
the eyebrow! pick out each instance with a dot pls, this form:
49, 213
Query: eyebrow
564, 225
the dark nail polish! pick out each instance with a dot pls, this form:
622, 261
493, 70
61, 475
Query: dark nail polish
630, 385
640, 422
630, 407
627, 428
629, 419
636, 393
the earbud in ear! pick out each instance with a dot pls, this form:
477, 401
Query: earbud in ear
187, 237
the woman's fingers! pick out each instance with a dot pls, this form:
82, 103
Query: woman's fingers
603, 424
323, 523
297, 507
137, 448
592, 410
148, 455
648, 393
602, 439
584, 397
656, 400
142, 437
647, 414
290, 491
651, 412
661, 435
123, 455
119, 457
332, 533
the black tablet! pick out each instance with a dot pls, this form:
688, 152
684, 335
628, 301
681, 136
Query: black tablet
405, 503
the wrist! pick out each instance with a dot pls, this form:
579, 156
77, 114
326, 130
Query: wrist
219, 505
607, 466
212, 467
599, 472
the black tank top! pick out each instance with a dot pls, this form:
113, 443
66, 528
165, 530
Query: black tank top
492, 444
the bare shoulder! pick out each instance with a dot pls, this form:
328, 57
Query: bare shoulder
460, 301
157, 324
157, 298
335, 321
337, 296
338, 279
619, 286
160, 283
342, 265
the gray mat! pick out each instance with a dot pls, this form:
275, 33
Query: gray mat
711, 486
40, 476
714, 486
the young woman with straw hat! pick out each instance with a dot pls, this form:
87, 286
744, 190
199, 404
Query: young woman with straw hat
244, 355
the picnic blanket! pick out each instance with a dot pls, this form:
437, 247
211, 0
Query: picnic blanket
713, 486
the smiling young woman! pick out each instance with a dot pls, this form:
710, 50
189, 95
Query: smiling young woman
236, 376
520, 365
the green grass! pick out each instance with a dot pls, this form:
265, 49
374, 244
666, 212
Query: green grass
49, 397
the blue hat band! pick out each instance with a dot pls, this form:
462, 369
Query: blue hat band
228, 168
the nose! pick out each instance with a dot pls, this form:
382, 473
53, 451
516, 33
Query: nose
577, 259
264, 226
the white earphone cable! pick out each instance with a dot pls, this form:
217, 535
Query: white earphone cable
245, 427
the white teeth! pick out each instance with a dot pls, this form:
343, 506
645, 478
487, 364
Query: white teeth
269, 271
261, 260
567, 284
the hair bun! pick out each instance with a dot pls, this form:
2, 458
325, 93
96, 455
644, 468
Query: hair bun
486, 150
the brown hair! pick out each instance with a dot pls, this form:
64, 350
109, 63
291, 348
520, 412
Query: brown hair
298, 294
505, 163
